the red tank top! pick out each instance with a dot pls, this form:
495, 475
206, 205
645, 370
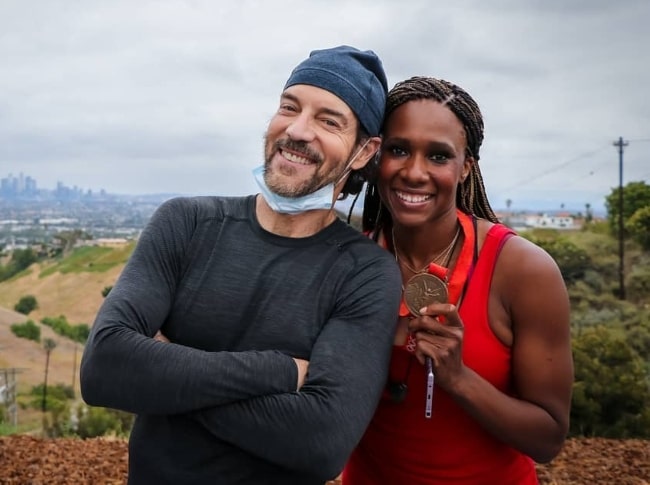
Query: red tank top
401, 446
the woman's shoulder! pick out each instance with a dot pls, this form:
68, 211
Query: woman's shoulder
518, 256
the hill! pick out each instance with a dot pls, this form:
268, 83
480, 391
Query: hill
72, 287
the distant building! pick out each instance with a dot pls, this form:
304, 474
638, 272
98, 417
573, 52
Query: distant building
113, 242
523, 221
18, 186
59, 221
560, 221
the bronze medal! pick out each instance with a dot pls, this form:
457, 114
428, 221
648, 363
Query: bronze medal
422, 290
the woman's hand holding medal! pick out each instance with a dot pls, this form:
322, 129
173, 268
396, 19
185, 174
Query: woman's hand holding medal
442, 342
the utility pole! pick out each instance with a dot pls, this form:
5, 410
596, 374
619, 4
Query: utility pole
621, 243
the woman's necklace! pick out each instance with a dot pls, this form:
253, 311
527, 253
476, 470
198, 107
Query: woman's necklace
439, 283
443, 255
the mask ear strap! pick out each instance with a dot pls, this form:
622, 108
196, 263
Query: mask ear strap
352, 159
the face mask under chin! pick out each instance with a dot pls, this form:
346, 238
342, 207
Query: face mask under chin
322, 198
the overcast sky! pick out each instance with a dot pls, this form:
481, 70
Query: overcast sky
173, 96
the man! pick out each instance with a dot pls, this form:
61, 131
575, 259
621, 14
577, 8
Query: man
280, 316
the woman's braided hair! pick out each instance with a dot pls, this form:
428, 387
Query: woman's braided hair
471, 196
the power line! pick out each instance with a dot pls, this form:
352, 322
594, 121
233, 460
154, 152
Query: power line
555, 168
584, 177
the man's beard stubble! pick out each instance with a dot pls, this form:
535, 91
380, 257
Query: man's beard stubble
303, 188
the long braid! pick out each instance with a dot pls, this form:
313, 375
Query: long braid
471, 195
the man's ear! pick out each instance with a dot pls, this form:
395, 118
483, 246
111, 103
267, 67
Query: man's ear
368, 149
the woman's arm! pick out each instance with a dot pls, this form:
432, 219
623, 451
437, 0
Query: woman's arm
529, 296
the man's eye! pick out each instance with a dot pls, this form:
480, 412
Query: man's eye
330, 122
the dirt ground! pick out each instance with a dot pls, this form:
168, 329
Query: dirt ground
28, 460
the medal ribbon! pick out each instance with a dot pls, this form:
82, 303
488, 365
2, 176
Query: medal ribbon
455, 278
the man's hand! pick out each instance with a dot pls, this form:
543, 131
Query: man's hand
302, 371
160, 337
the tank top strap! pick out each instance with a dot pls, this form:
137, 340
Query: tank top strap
481, 275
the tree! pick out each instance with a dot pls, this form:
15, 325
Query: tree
20, 259
48, 345
636, 195
106, 290
23, 258
66, 240
26, 304
638, 226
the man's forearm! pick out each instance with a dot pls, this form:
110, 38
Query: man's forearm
138, 374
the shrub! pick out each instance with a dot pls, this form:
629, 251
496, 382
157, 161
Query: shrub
611, 397
58, 391
28, 330
638, 284
78, 333
96, 421
26, 304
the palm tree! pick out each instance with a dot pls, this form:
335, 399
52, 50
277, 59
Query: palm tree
508, 204
48, 345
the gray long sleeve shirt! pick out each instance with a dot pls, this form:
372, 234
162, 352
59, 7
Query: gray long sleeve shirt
219, 404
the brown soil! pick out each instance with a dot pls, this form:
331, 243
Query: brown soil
27, 460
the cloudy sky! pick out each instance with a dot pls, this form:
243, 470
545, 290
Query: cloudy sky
172, 96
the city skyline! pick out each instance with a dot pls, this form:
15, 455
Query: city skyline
26, 185
66, 191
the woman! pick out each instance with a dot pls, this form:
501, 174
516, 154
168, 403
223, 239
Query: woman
485, 311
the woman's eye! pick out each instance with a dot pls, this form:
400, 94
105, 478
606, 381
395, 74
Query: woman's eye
439, 157
396, 151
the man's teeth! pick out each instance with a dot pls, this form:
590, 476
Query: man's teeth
295, 158
412, 198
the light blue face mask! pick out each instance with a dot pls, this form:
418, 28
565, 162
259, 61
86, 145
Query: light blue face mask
322, 198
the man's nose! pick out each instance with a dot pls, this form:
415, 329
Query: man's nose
301, 128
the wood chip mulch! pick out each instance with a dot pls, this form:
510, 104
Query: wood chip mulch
28, 460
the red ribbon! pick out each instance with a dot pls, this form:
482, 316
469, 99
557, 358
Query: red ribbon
457, 276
